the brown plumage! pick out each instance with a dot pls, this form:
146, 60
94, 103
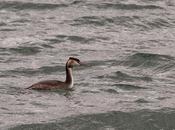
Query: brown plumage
55, 84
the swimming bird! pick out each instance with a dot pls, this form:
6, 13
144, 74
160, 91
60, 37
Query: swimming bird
55, 84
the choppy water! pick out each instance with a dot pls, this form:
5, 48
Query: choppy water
127, 82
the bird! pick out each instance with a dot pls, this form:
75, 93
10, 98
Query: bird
56, 84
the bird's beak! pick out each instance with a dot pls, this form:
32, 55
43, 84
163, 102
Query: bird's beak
79, 63
82, 63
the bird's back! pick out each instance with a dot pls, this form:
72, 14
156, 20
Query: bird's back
47, 85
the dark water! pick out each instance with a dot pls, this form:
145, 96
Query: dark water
127, 82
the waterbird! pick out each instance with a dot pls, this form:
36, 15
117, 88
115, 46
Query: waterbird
55, 84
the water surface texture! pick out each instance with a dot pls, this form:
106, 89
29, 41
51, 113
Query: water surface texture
127, 81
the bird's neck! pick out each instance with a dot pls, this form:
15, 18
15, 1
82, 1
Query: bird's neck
69, 76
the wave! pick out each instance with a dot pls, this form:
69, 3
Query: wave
149, 60
3, 24
31, 72
143, 119
124, 87
125, 6
141, 100
25, 50
20, 50
72, 38
120, 76
28, 5
103, 21
134, 21
8, 29
128, 86
40, 6
112, 91
156, 23
77, 2
92, 20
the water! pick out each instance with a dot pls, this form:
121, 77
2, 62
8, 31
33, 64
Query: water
126, 83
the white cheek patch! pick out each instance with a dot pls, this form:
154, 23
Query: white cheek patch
69, 62
72, 62
76, 63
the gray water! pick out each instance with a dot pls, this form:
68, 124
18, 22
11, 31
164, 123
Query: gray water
126, 82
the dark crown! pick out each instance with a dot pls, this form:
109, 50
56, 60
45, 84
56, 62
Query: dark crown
72, 58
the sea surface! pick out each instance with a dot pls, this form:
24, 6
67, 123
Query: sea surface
127, 81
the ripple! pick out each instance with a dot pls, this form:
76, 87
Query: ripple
131, 21
145, 119
4, 51
89, 20
112, 91
28, 5
158, 23
64, 38
77, 2
148, 60
126, 6
25, 50
3, 24
120, 76
51, 69
8, 29
47, 46
31, 72
128, 86
88, 91
20, 22
142, 101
